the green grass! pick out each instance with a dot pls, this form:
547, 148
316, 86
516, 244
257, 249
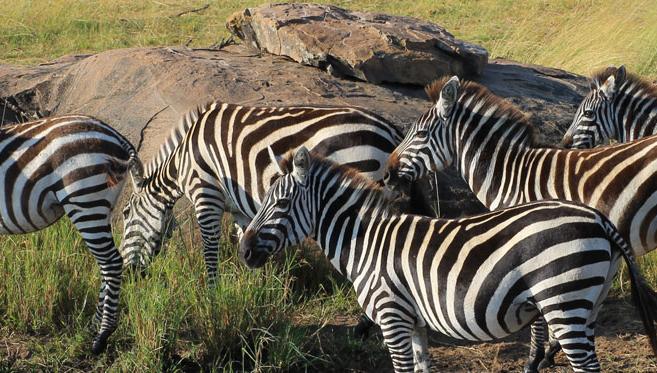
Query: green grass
575, 35
48, 288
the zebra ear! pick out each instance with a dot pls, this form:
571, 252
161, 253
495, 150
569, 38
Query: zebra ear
448, 96
275, 160
137, 174
609, 87
300, 164
620, 75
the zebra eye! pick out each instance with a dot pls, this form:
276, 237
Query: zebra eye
422, 133
588, 113
126, 212
283, 203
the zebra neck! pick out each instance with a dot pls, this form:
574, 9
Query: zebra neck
343, 212
487, 164
164, 183
634, 115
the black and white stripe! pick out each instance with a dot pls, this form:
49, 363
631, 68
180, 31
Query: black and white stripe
479, 278
73, 165
219, 158
619, 106
491, 145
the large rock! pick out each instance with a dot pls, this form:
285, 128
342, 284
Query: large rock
143, 92
367, 46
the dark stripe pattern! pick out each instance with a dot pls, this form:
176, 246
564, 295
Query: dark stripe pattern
218, 158
73, 165
620, 106
491, 145
479, 278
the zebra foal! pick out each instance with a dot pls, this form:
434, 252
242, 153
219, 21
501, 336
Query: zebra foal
479, 278
620, 106
73, 165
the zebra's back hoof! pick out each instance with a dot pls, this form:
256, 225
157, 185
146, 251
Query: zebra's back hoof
547, 362
100, 342
362, 330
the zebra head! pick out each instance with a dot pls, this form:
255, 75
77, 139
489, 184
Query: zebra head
144, 219
427, 146
594, 121
284, 218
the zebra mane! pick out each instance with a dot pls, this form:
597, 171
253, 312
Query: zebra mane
601, 75
345, 174
480, 93
175, 136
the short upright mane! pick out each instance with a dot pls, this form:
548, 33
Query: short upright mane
175, 136
601, 75
479, 92
355, 178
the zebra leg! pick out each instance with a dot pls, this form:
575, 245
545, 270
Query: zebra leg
537, 350
421, 349
398, 337
362, 330
209, 216
100, 243
98, 316
578, 343
553, 348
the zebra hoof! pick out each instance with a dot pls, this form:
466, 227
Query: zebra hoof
547, 362
100, 342
362, 330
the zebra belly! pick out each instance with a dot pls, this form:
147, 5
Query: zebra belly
23, 222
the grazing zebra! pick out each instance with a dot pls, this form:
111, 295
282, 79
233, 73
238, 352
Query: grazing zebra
479, 278
620, 107
218, 157
492, 146
73, 165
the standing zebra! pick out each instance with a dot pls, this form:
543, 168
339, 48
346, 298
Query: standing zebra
478, 279
620, 107
218, 157
73, 165
491, 144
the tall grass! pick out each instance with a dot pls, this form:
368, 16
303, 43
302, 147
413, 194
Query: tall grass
49, 284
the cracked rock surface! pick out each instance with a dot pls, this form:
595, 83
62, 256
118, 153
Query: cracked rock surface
149, 88
367, 46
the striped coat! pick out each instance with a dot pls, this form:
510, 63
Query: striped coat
491, 145
74, 166
479, 278
220, 158
620, 107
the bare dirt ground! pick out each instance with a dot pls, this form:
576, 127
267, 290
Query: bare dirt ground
621, 343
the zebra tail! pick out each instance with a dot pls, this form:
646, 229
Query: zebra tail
643, 296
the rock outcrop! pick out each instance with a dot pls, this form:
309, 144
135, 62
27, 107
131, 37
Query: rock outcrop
143, 92
372, 47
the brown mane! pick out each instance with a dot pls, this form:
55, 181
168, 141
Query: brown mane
601, 75
479, 92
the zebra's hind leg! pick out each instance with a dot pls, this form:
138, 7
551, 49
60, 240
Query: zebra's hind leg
94, 227
537, 349
421, 349
398, 337
553, 349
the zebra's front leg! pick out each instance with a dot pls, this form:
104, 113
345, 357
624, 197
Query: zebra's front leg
209, 221
537, 348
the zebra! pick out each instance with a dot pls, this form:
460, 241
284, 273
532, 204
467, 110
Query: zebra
619, 106
492, 146
218, 156
74, 165
478, 278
